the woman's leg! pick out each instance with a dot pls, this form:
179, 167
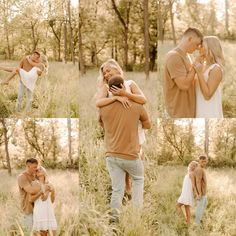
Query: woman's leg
43, 233
179, 209
188, 215
54, 232
7, 69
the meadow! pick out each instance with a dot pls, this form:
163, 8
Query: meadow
66, 203
55, 95
162, 183
228, 84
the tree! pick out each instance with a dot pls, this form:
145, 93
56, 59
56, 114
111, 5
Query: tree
146, 37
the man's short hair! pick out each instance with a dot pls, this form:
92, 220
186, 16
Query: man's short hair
202, 157
194, 31
31, 161
37, 52
116, 80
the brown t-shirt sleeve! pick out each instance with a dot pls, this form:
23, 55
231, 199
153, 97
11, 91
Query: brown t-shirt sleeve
175, 66
144, 117
23, 182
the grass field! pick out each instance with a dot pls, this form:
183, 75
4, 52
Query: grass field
66, 203
228, 83
55, 95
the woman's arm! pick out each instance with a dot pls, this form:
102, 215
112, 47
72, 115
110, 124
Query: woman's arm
208, 88
136, 94
34, 197
102, 99
193, 183
32, 63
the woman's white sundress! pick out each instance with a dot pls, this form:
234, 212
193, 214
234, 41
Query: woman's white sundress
43, 215
186, 196
29, 78
209, 108
141, 133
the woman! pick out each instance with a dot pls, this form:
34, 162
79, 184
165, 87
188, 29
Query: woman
186, 198
129, 91
209, 68
27, 79
43, 214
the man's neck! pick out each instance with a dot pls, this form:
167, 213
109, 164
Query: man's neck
183, 48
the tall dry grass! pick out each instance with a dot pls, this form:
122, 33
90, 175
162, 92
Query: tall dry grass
55, 95
66, 204
228, 83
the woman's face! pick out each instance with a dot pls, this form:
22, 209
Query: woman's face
109, 71
40, 172
192, 166
202, 50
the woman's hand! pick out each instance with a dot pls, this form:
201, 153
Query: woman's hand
118, 91
124, 101
198, 67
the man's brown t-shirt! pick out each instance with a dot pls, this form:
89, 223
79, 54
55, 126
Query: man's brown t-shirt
121, 129
24, 180
179, 103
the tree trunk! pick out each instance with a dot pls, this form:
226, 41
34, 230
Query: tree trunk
6, 29
227, 17
71, 33
206, 144
146, 37
3, 121
65, 41
172, 20
69, 140
82, 69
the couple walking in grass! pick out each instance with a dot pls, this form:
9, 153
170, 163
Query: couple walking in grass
29, 69
124, 118
193, 89
194, 184
37, 195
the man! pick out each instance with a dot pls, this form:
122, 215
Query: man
26, 189
122, 148
201, 187
179, 90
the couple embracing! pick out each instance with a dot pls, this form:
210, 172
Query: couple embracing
194, 184
124, 118
193, 89
37, 195
29, 69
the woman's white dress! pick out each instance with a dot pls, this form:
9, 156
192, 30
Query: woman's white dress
43, 215
186, 196
209, 108
29, 78
141, 133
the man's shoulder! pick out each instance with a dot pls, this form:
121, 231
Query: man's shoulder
172, 54
22, 176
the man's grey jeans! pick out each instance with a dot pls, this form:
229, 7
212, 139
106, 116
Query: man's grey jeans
21, 91
27, 223
201, 206
117, 168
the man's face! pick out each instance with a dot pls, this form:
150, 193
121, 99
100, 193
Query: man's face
32, 168
203, 163
194, 43
35, 57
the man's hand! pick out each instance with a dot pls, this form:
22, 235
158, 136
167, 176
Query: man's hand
124, 101
118, 91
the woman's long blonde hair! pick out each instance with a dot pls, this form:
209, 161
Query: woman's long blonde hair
214, 50
45, 173
44, 61
112, 63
